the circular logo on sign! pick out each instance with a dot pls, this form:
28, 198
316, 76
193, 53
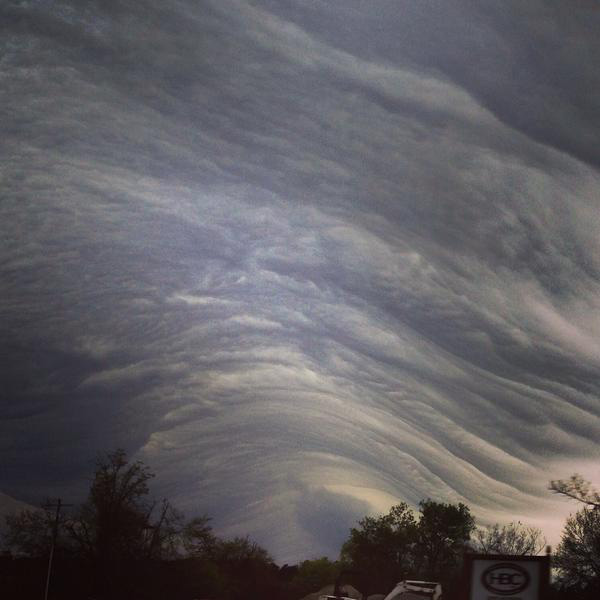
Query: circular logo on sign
505, 579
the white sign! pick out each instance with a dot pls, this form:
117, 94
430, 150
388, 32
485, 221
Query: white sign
501, 579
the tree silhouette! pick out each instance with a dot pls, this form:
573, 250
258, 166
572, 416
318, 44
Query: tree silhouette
578, 554
198, 539
118, 521
442, 536
29, 533
380, 548
313, 575
514, 538
577, 488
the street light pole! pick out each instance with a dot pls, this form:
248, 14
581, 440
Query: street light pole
58, 506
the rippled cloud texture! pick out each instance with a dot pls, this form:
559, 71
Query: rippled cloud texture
305, 258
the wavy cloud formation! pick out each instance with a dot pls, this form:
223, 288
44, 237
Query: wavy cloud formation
305, 259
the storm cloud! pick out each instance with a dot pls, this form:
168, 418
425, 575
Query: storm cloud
305, 259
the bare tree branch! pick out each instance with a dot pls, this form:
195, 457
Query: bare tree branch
577, 488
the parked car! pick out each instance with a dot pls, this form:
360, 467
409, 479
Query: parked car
416, 590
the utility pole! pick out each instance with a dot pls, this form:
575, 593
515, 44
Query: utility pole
58, 506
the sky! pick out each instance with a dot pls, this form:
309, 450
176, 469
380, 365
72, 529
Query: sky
306, 259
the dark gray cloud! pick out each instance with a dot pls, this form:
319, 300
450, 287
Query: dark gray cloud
306, 259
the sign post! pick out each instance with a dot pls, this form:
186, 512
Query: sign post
503, 577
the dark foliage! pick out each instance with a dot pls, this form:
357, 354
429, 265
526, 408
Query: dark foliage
514, 538
119, 544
